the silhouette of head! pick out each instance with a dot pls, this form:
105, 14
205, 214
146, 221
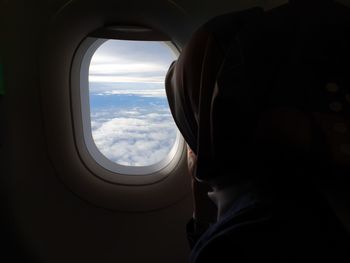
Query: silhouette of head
246, 87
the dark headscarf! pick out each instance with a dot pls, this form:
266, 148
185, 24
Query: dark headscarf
194, 95
240, 67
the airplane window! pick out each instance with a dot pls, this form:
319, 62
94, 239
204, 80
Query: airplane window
131, 123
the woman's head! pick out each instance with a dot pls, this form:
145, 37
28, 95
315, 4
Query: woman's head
240, 91
216, 120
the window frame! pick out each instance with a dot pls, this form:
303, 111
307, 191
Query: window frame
95, 161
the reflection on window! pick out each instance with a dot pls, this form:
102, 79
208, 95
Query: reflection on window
131, 122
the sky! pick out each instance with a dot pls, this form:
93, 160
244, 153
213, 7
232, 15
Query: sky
131, 123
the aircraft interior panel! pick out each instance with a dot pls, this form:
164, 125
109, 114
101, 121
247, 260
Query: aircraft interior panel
58, 203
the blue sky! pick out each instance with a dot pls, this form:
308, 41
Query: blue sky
130, 117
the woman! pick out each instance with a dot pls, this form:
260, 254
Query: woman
243, 96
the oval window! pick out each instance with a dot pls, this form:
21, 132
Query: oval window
127, 123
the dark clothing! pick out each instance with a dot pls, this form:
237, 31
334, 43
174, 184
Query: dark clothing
276, 232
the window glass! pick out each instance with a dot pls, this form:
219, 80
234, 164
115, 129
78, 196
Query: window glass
131, 123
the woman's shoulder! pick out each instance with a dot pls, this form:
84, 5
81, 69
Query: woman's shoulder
265, 232
236, 237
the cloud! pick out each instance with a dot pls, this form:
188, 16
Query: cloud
139, 92
129, 79
135, 137
122, 68
107, 88
130, 61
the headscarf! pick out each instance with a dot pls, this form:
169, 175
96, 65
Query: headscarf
193, 94
240, 66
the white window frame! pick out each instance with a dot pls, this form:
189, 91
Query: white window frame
100, 165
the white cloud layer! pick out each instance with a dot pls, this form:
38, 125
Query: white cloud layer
130, 61
124, 68
138, 92
129, 79
134, 138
